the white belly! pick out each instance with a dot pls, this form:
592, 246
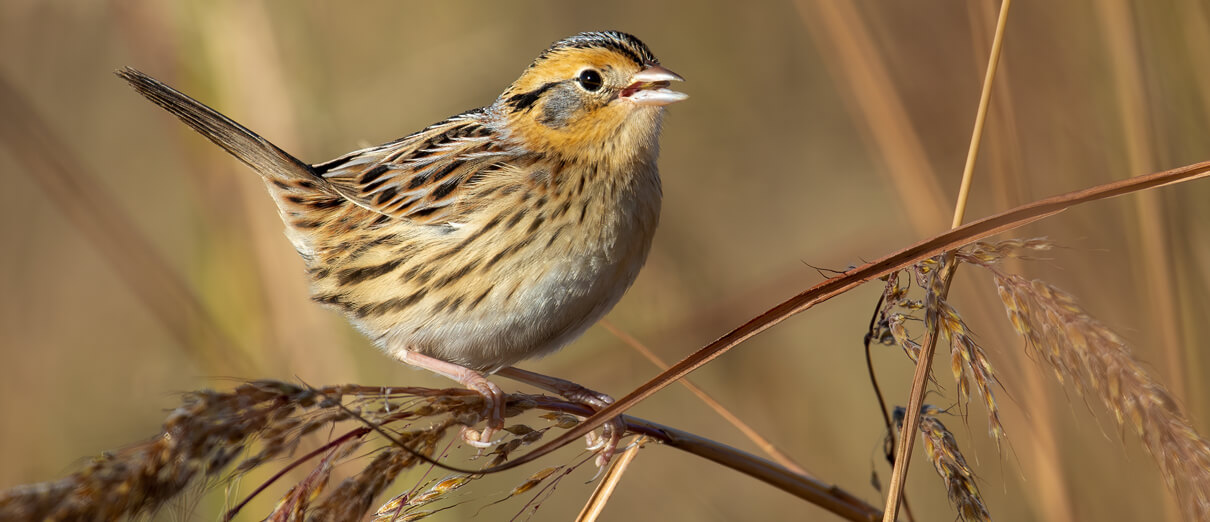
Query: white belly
541, 298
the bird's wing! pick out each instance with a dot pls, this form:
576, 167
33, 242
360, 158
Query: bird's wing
421, 176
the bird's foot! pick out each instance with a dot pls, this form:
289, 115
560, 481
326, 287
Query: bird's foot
604, 444
493, 398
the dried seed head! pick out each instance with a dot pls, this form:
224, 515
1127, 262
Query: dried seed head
264, 421
1085, 352
947, 459
968, 359
900, 335
987, 253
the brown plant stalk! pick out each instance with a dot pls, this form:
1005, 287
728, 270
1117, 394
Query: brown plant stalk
213, 434
826, 290
924, 364
950, 240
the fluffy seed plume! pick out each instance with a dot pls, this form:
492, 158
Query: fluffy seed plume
261, 422
1085, 352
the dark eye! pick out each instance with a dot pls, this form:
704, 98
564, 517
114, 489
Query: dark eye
590, 80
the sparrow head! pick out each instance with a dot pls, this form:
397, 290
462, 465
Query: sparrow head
599, 93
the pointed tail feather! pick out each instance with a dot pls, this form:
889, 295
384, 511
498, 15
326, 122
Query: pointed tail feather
266, 158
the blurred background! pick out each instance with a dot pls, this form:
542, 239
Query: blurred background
818, 133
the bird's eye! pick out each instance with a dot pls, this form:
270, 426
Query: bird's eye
590, 80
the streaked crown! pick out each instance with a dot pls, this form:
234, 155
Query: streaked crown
587, 95
622, 43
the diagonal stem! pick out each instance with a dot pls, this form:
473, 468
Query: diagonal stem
604, 491
920, 380
941, 243
764, 444
985, 98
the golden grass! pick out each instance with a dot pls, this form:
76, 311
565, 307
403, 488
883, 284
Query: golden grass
942, 450
211, 431
1053, 126
261, 422
1080, 350
218, 437
1086, 353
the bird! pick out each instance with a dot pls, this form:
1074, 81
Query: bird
496, 235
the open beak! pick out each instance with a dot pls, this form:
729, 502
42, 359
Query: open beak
650, 87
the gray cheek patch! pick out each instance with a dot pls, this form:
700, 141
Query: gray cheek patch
562, 104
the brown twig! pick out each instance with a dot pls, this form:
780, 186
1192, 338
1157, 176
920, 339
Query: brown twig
211, 429
924, 363
920, 380
831, 498
604, 490
826, 290
886, 414
330, 446
761, 442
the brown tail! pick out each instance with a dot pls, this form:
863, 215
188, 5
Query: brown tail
268, 160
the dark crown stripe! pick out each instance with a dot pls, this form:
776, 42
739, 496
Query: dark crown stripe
622, 43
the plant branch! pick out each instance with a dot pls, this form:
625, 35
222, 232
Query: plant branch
201, 438
609, 483
985, 97
924, 363
944, 242
761, 442
826, 496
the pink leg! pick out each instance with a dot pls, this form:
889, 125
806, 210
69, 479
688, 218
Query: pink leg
493, 398
613, 429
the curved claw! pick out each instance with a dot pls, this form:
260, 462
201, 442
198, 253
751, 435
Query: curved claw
493, 402
477, 439
493, 406
605, 444
493, 398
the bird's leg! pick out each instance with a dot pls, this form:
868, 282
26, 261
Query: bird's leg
493, 398
612, 430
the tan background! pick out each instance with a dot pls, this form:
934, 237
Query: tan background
777, 161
